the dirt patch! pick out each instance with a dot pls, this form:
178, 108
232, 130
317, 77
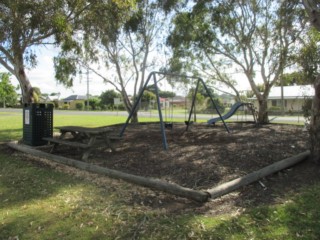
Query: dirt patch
206, 156
201, 157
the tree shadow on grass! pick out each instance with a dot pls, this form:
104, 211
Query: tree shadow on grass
101, 214
294, 219
10, 134
22, 181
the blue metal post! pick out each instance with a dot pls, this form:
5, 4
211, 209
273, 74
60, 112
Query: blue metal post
163, 132
135, 106
215, 106
193, 103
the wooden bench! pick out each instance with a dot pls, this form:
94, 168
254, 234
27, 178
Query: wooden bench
85, 138
67, 142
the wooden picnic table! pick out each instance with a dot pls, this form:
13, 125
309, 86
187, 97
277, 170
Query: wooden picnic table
85, 138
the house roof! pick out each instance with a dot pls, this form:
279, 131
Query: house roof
292, 92
75, 97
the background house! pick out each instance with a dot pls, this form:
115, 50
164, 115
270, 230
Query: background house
71, 101
294, 98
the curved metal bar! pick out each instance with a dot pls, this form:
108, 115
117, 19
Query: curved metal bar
135, 106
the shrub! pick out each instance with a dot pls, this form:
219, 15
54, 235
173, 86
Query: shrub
79, 105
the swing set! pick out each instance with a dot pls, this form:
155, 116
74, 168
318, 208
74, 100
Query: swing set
163, 125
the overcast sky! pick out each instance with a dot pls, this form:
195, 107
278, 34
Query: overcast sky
42, 76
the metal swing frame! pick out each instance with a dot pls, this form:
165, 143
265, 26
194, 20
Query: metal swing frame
162, 127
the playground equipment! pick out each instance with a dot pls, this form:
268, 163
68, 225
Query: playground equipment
162, 123
232, 111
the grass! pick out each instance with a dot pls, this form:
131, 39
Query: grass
11, 123
39, 201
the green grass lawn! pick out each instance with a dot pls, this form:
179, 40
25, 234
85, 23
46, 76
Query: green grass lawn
42, 201
37, 202
11, 123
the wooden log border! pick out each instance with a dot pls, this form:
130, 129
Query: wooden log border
256, 175
196, 195
157, 184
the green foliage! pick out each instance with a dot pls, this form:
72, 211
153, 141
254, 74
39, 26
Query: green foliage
135, 20
167, 94
25, 25
94, 103
99, 22
65, 106
218, 103
261, 87
147, 96
8, 95
294, 78
171, 5
203, 101
218, 38
309, 57
107, 98
121, 38
65, 70
307, 108
163, 94
79, 105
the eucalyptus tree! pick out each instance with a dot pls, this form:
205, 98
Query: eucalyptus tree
125, 51
26, 25
253, 38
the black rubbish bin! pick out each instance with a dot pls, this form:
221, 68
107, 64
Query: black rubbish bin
37, 123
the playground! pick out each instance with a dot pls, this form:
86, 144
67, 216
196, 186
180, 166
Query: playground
195, 160
202, 157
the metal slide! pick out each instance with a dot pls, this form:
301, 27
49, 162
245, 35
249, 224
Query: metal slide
233, 109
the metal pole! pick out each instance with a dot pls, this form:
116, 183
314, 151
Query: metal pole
135, 106
282, 94
215, 106
192, 104
88, 89
163, 132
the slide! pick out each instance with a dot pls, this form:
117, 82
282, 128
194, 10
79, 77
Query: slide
233, 109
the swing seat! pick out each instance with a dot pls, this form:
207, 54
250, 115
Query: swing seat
188, 123
168, 125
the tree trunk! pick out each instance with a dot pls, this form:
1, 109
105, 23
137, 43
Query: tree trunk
315, 124
134, 118
26, 88
314, 14
263, 112
129, 106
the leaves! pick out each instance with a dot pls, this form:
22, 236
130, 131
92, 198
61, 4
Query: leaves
258, 38
8, 95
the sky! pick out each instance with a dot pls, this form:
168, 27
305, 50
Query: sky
42, 76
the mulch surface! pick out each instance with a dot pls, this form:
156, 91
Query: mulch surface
206, 156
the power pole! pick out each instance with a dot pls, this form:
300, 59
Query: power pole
88, 95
